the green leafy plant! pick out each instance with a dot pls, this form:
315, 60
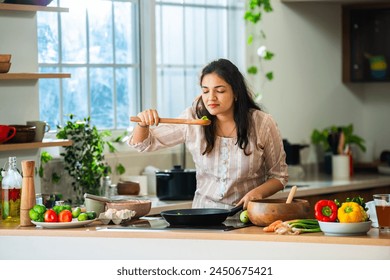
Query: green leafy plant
84, 160
321, 137
254, 15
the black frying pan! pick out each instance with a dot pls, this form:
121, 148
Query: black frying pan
198, 216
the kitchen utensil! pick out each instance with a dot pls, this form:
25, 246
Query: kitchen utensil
128, 188
344, 229
291, 194
263, 212
6, 133
340, 146
198, 216
41, 128
4, 67
176, 184
141, 207
27, 200
24, 134
97, 198
5, 57
29, 2
293, 152
177, 121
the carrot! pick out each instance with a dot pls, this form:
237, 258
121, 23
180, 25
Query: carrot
272, 226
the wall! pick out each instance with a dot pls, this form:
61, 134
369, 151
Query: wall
307, 91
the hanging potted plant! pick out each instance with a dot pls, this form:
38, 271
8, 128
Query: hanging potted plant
84, 160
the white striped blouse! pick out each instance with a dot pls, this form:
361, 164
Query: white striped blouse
226, 174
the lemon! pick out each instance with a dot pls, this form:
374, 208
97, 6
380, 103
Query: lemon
244, 218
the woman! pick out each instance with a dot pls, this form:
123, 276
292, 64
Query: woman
239, 157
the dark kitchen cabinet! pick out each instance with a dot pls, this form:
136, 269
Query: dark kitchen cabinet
366, 42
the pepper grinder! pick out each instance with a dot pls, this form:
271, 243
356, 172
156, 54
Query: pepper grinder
28, 192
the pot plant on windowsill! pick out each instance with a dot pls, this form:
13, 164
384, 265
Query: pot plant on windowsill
327, 140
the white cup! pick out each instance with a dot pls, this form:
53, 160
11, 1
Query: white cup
340, 167
41, 128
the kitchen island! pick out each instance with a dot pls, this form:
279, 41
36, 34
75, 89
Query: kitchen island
96, 241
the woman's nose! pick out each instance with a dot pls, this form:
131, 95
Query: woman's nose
212, 95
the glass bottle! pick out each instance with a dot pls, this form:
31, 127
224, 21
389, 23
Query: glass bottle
106, 186
11, 192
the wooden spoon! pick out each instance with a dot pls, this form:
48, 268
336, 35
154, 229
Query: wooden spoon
291, 194
177, 121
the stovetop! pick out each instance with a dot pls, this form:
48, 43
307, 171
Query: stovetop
159, 223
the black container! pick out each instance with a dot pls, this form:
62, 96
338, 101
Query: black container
176, 184
293, 152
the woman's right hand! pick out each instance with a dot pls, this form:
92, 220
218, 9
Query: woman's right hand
149, 117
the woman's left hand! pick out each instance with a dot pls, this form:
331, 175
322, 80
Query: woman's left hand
265, 190
254, 194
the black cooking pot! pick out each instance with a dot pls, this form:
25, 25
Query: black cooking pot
293, 152
176, 184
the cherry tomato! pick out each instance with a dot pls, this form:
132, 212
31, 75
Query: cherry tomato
50, 216
65, 216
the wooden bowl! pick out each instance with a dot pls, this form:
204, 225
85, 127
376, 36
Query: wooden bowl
141, 207
128, 188
4, 67
265, 211
5, 57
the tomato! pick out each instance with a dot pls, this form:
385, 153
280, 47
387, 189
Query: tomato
65, 216
50, 216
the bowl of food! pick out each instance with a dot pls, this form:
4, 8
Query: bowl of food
263, 212
345, 229
141, 207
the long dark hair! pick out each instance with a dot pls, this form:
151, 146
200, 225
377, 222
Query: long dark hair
242, 106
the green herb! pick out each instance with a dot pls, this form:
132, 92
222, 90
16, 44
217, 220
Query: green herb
205, 118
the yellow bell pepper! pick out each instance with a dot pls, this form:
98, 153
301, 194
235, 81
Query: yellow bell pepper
351, 212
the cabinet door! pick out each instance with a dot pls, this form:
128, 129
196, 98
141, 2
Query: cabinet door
366, 43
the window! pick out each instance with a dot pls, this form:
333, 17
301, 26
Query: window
101, 44
189, 34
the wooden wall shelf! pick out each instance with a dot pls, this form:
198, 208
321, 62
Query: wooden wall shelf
33, 76
35, 145
30, 8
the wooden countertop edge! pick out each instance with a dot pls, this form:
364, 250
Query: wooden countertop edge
252, 233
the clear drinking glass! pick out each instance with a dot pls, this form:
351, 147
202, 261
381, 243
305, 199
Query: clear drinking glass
382, 207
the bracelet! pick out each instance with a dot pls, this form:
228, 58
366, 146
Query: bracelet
143, 126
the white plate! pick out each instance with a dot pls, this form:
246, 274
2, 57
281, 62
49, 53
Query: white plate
345, 229
73, 224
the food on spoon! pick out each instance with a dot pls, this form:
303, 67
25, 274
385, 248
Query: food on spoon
205, 118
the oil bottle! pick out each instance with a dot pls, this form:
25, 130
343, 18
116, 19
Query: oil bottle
11, 188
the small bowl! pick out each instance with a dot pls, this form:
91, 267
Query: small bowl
24, 134
141, 207
29, 2
263, 212
5, 57
128, 188
4, 67
345, 229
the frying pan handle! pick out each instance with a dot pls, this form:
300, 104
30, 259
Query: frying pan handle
235, 210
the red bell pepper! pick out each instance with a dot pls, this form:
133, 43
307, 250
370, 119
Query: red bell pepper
326, 211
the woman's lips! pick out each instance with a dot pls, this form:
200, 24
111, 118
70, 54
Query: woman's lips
212, 105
